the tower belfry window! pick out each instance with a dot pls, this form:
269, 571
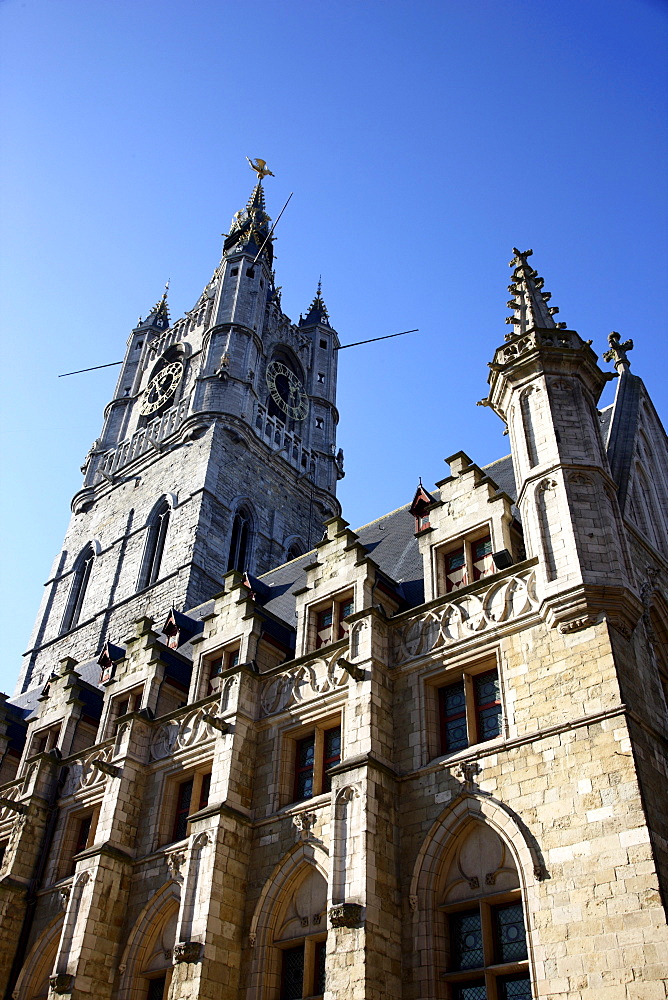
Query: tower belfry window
155, 545
239, 543
75, 601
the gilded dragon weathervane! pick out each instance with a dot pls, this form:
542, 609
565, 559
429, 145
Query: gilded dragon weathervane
260, 167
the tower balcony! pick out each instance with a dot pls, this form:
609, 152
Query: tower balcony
283, 441
143, 439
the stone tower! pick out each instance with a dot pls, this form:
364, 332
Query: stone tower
217, 453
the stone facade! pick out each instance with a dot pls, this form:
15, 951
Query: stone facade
421, 761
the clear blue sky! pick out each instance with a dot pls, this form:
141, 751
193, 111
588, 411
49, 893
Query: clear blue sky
422, 140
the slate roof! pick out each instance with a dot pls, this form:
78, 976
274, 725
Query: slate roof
391, 543
389, 540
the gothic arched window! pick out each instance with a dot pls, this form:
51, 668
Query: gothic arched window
300, 938
481, 905
295, 549
82, 570
155, 545
240, 541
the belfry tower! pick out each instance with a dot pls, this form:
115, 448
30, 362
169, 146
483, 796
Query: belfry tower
217, 452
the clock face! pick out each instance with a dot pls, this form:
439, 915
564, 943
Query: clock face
161, 387
286, 390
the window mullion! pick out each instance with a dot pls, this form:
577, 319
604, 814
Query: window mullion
487, 934
309, 967
318, 757
471, 720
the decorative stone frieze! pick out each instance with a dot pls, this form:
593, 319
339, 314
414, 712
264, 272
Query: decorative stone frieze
89, 770
462, 617
178, 734
303, 682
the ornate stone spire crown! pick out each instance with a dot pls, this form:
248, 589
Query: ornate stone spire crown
317, 311
529, 302
158, 317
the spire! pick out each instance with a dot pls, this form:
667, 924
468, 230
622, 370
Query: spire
250, 227
158, 316
317, 311
529, 301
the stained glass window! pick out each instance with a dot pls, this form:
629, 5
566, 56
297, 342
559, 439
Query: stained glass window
466, 940
331, 756
182, 810
292, 983
455, 570
488, 704
304, 768
453, 717
319, 975
481, 556
511, 945
156, 988
470, 991
514, 988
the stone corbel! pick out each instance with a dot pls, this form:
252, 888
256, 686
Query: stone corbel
175, 862
303, 823
187, 951
346, 915
466, 772
62, 983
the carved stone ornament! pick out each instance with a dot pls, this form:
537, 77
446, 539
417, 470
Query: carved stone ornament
413, 903
89, 770
309, 680
64, 892
187, 951
303, 823
192, 728
466, 772
346, 915
620, 626
175, 862
577, 624
62, 983
462, 617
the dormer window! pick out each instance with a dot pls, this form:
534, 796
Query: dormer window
421, 507
465, 562
224, 659
45, 740
328, 621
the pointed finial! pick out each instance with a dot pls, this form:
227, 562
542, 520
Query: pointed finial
158, 316
617, 352
260, 167
529, 302
317, 311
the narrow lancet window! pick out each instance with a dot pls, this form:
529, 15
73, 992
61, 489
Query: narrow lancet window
239, 544
155, 546
82, 571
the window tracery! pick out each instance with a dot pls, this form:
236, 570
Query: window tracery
483, 927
